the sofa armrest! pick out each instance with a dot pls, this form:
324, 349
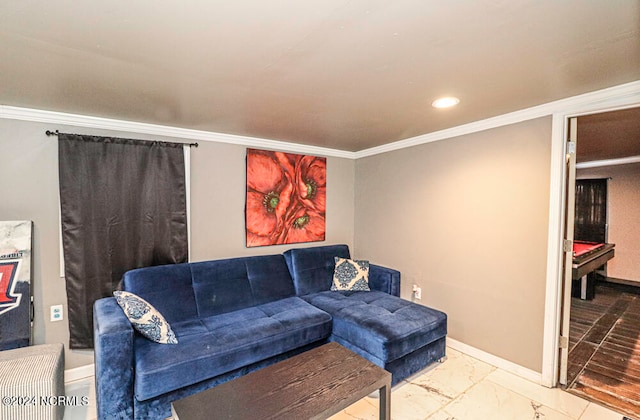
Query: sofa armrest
384, 279
114, 368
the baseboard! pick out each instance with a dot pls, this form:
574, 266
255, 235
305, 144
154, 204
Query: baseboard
496, 361
631, 285
79, 373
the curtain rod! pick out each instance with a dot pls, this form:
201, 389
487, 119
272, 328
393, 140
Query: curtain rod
55, 133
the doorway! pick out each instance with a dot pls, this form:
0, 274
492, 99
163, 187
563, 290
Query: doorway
604, 328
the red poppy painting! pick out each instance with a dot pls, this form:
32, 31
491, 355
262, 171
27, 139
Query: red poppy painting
286, 198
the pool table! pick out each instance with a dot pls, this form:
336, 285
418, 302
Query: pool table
587, 258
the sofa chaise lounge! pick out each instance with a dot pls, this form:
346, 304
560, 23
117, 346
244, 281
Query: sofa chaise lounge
234, 316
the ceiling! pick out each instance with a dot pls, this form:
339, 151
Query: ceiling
608, 135
347, 75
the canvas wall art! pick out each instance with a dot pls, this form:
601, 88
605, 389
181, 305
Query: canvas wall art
286, 198
15, 284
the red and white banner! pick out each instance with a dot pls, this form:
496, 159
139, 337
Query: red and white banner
15, 284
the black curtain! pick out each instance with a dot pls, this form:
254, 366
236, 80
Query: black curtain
591, 210
123, 206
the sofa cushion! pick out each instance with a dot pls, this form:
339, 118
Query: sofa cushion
222, 286
383, 325
166, 287
312, 268
218, 344
269, 278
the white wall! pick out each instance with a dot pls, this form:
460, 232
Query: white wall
467, 220
29, 191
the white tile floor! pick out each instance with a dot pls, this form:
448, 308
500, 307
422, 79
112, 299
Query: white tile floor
461, 388
464, 388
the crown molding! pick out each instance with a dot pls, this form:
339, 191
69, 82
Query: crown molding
608, 162
52, 117
597, 100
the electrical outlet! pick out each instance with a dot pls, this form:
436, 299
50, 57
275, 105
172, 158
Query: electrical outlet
56, 313
417, 292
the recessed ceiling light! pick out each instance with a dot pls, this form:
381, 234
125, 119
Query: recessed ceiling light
446, 102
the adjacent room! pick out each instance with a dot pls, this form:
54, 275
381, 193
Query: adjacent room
605, 329
274, 187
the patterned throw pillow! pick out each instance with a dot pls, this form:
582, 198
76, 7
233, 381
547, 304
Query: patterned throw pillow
145, 318
351, 275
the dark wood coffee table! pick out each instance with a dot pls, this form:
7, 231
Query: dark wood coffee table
312, 385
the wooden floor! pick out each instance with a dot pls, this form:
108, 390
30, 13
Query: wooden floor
604, 348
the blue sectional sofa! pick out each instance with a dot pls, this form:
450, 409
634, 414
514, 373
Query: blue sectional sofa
237, 315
